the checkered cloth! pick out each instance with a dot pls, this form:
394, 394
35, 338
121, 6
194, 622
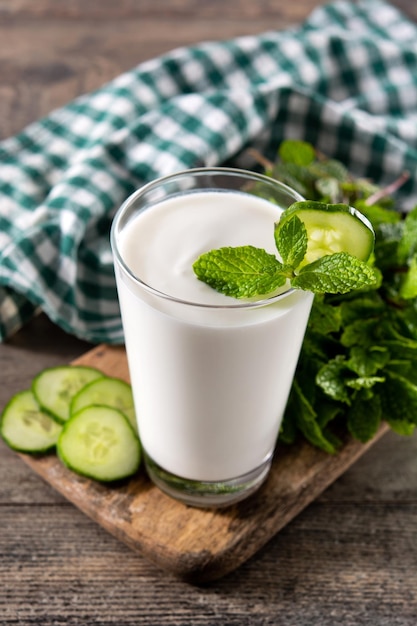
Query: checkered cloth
346, 80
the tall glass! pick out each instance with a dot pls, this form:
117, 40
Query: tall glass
210, 374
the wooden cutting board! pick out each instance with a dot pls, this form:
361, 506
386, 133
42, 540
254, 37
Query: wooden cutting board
195, 544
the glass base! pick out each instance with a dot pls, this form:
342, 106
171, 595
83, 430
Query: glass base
206, 494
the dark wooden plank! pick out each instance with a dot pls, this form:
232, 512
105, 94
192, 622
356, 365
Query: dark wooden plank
386, 474
163, 10
51, 52
313, 572
39, 344
191, 10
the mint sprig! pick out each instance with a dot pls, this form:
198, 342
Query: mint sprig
240, 272
248, 272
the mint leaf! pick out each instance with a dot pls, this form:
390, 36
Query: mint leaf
364, 417
408, 289
328, 412
288, 431
329, 188
401, 427
407, 246
387, 237
241, 272
297, 152
399, 398
291, 241
306, 419
402, 348
369, 305
367, 361
332, 377
330, 168
295, 176
335, 273
360, 331
325, 318
364, 382
377, 214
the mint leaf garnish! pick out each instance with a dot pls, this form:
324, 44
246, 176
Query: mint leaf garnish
291, 241
241, 272
335, 273
247, 272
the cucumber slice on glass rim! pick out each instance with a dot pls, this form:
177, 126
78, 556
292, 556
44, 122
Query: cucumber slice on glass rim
332, 228
99, 442
25, 427
55, 387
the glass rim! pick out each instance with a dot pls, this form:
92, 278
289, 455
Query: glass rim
228, 171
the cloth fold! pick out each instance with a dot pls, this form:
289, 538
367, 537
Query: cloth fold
345, 80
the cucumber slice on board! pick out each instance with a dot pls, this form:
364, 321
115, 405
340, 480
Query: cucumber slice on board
109, 391
99, 442
25, 427
55, 387
332, 228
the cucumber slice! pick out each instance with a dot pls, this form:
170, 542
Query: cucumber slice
332, 228
109, 391
55, 387
99, 442
25, 427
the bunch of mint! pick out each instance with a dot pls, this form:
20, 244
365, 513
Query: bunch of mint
358, 364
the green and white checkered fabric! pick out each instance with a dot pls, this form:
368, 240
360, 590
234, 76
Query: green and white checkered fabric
346, 80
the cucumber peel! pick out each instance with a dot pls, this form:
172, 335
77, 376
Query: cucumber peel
99, 442
331, 228
109, 391
92, 427
55, 387
25, 427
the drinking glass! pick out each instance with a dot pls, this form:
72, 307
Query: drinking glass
210, 381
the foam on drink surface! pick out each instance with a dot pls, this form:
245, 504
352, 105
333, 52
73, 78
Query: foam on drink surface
161, 245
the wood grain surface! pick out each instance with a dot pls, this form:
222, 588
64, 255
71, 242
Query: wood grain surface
349, 558
195, 544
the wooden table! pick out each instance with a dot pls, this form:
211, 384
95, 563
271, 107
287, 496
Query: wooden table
350, 558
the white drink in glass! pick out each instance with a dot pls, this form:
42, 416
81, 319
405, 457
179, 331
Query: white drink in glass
210, 374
